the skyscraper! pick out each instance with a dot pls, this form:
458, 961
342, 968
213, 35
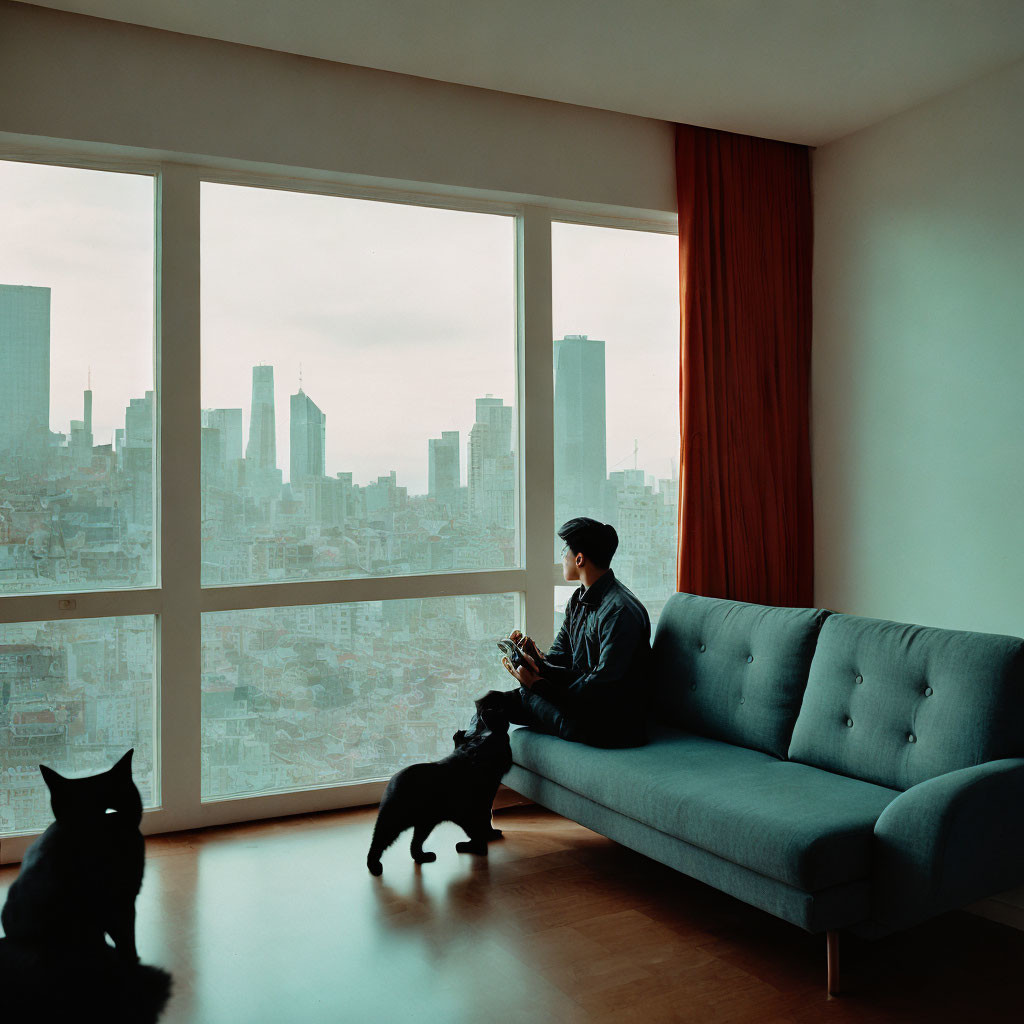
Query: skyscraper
81, 432
492, 464
211, 458
25, 359
307, 438
498, 417
229, 423
262, 477
138, 422
222, 464
580, 438
137, 457
443, 466
261, 451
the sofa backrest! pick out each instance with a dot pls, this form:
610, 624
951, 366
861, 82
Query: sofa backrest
733, 671
897, 704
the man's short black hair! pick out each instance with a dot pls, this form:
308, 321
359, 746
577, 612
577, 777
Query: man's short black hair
597, 541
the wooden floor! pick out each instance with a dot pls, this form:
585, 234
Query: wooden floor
281, 922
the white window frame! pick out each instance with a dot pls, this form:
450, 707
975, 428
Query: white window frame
178, 600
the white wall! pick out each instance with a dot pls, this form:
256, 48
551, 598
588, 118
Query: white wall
64, 76
918, 372
918, 364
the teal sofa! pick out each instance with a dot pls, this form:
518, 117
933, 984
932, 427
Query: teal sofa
838, 772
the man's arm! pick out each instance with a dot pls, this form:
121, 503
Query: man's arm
556, 665
621, 635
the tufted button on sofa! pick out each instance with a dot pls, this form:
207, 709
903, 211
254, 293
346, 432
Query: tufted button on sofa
798, 762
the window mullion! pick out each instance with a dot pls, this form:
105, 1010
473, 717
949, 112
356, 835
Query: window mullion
178, 424
536, 404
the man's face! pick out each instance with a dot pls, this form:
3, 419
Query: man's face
570, 569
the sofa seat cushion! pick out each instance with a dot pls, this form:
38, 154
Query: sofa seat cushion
797, 824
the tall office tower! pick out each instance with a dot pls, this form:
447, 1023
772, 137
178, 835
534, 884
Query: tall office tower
307, 438
81, 433
443, 467
211, 458
261, 451
138, 422
228, 470
229, 423
137, 459
25, 376
492, 464
580, 442
498, 418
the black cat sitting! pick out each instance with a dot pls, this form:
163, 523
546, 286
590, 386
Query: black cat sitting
78, 882
459, 788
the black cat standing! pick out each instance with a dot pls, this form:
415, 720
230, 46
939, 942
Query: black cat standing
459, 788
79, 880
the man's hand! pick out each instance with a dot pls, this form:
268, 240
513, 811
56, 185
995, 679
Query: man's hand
527, 673
527, 644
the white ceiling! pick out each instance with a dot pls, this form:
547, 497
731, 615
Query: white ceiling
802, 70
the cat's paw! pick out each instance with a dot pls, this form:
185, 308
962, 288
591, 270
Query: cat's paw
426, 857
472, 847
495, 833
375, 867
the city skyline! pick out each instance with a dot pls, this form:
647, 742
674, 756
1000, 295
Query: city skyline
387, 307
579, 418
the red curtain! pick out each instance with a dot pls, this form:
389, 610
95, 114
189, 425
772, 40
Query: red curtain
745, 237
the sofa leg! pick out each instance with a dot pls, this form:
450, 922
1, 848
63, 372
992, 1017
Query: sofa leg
832, 939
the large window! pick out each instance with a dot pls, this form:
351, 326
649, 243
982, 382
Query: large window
280, 460
78, 469
358, 388
76, 379
74, 696
322, 694
616, 358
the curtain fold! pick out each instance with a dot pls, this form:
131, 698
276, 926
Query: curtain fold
745, 240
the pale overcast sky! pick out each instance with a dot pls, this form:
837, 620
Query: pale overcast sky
400, 316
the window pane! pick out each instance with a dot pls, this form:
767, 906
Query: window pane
76, 391
616, 321
562, 595
324, 694
358, 387
75, 695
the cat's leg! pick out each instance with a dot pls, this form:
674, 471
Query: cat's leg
121, 928
386, 830
479, 831
419, 837
493, 833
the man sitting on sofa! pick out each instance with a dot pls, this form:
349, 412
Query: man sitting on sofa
591, 687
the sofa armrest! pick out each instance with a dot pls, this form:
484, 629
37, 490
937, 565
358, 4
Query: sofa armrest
949, 841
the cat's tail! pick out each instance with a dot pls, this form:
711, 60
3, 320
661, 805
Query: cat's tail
46, 984
385, 832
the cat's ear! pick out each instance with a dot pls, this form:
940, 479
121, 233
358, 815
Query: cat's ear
125, 764
51, 778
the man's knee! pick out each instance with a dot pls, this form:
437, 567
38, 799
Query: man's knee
509, 703
495, 699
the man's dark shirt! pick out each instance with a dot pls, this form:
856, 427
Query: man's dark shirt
597, 669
